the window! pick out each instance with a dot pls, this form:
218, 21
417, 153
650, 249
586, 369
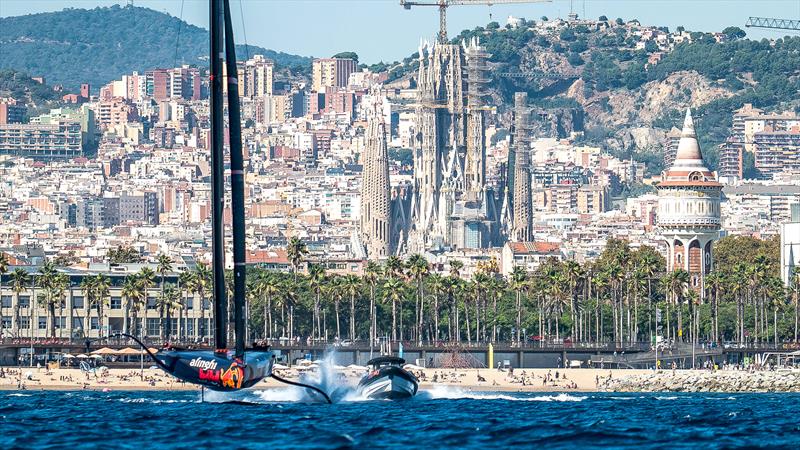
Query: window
5, 301
61, 322
151, 303
77, 323
77, 302
116, 303
188, 329
24, 301
24, 323
42, 323
94, 324
6, 322
153, 326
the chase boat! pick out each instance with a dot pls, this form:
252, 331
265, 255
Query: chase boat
388, 380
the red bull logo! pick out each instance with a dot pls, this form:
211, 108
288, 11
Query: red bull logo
231, 378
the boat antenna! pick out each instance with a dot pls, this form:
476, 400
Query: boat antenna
237, 185
216, 22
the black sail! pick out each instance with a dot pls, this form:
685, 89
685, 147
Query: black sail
237, 185
219, 369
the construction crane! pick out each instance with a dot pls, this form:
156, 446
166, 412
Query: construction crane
444, 4
775, 24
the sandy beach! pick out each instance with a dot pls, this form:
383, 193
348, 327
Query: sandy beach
528, 380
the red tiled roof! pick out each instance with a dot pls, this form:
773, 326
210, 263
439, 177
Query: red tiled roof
274, 256
534, 247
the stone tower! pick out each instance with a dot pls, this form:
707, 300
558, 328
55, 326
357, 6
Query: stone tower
475, 159
522, 221
689, 209
376, 212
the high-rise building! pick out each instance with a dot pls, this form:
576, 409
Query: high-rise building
376, 214
689, 209
673, 138
777, 151
11, 112
331, 72
60, 140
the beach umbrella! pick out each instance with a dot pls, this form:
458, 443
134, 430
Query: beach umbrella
81, 356
129, 351
66, 356
105, 351
280, 367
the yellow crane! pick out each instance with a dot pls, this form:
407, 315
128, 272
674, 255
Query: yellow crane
444, 4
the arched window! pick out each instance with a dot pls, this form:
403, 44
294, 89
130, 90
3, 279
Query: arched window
695, 176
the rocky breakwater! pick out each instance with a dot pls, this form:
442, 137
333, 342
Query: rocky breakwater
704, 381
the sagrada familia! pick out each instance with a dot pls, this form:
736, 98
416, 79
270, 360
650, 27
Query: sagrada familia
450, 205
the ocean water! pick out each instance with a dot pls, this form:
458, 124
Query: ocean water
441, 418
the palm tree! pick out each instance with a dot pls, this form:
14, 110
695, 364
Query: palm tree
88, 289
168, 301
289, 300
394, 267
678, 284
102, 286
163, 267
201, 282
45, 280
351, 285
3, 271
131, 293
316, 280
267, 287
146, 278
519, 279
437, 286
419, 269
20, 281
296, 250
452, 286
185, 285
479, 282
371, 274
59, 286
393, 292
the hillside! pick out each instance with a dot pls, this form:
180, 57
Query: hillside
622, 99
98, 45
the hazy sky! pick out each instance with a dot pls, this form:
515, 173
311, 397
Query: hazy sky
382, 30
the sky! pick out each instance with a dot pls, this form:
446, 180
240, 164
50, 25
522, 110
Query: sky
381, 30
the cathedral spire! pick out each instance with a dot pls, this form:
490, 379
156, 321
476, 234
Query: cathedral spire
522, 230
376, 214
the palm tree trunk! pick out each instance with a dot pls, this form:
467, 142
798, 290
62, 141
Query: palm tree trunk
394, 320
352, 317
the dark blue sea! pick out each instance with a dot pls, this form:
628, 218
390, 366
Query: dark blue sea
443, 419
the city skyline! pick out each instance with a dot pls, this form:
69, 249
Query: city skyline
403, 29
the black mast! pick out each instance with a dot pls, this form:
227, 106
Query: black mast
237, 184
216, 23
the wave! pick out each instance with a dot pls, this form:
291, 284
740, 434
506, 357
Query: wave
152, 400
19, 395
451, 393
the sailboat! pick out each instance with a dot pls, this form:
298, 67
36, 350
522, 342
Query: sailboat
223, 369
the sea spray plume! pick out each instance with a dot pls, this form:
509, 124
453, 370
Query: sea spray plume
328, 378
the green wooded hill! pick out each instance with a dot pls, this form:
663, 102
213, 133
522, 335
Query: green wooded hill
98, 45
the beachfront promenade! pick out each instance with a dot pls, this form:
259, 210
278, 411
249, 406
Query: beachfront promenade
530, 354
